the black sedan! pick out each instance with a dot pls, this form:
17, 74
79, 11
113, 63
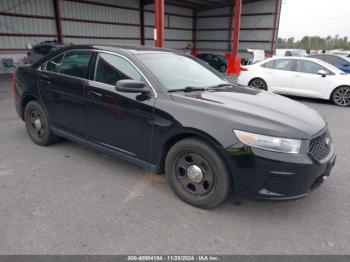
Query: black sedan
209, 136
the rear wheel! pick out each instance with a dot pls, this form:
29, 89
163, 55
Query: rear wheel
37, 124
341, 96
197, 174
258, 83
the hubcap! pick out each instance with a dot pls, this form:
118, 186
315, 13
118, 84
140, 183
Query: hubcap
258, 84
342, 96
195, 173
36, 125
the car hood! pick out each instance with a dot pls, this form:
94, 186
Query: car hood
257, 111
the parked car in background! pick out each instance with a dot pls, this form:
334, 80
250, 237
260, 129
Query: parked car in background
219, 62
343, 63
42, 49
209, 136
340, 52
290, 52
252, 56
308, 77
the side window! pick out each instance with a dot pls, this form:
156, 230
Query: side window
284, 64
76, 64
269, 65
288, 53
309, 67
54, 64
112, 68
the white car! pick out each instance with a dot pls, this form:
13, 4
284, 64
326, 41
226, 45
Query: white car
307, 77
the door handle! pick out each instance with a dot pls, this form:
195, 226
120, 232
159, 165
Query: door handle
93, 94
47, 79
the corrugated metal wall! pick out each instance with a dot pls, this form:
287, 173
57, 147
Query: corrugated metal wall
19, 27
115, 25
178, 26
257, 24
24, 22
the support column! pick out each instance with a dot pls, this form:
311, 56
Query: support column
57, 9
142, 22
237, 26
234, 62
273, 41
159, 22
194, 29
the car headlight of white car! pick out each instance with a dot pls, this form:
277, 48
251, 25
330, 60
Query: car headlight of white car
277, 144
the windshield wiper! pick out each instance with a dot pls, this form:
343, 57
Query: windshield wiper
187, 89
222, 85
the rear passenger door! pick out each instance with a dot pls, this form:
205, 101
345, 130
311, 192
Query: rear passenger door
62, 86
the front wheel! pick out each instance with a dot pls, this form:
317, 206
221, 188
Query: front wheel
258, 83
197, 174
341, 96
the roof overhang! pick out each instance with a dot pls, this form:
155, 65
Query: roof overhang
200, 4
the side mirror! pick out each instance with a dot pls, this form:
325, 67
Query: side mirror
322, 73
132, 86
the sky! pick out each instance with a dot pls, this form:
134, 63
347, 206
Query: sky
314, 17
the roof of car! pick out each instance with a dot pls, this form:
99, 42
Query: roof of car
132, 49
327, 54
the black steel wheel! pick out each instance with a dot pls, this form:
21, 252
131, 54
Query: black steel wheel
341, 96
197, 174
37, 124
258, 83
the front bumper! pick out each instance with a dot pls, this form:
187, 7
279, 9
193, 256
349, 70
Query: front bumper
262, 175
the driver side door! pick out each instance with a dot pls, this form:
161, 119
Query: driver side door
118, 122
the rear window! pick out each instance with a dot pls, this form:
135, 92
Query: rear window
42, 50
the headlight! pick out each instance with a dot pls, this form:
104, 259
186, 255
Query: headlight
278, 144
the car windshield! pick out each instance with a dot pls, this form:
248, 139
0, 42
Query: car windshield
178, 71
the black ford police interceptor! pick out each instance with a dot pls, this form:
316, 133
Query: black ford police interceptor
172, 113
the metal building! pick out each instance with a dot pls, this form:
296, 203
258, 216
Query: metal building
204, 25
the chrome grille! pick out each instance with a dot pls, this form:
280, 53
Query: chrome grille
320, 146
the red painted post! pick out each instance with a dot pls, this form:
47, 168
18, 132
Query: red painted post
234, 62
159, 22
236, 29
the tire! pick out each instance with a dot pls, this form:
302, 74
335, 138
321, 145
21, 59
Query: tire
223, 69
206, 187
341, 96
258, 83
38, 125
